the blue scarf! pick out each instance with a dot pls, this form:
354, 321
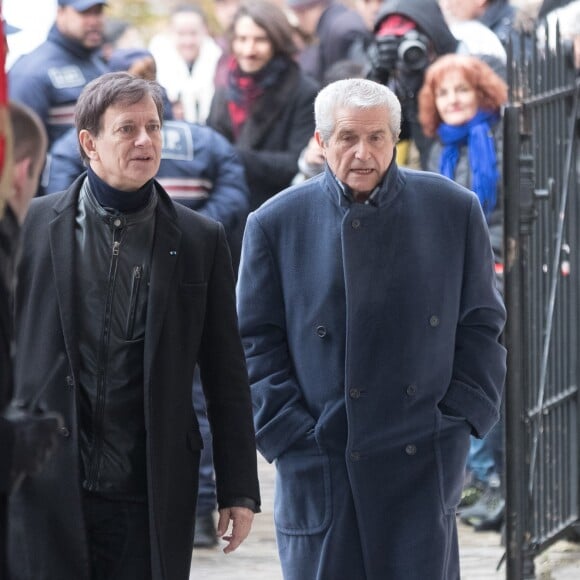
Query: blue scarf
478, 137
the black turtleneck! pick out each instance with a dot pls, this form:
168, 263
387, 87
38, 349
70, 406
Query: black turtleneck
121, 201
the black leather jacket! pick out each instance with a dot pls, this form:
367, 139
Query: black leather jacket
112, 271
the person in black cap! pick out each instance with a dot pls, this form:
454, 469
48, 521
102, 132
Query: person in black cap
50, 78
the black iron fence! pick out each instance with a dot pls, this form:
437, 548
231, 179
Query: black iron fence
542, 291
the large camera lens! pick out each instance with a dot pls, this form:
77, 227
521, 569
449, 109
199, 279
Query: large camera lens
413, 54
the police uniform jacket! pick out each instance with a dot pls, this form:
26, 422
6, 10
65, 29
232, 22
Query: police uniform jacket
51, 77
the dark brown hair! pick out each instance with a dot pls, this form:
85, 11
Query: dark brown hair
273, 20
112, 89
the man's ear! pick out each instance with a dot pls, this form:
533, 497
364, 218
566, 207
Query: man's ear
318, 138
22, 171
22, 192
88, 144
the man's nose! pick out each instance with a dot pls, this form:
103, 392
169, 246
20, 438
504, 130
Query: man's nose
362, 150
143, 138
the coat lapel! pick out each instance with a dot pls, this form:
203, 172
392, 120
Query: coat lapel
62, 249
166, 248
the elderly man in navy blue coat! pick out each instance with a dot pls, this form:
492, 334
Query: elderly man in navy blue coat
371, 325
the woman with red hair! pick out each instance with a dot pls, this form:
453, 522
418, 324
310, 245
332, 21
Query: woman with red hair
460, 104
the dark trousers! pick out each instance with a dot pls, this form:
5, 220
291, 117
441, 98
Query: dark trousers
118, 535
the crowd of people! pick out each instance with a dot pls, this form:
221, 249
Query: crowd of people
334, 300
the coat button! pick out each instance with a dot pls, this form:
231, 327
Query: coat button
355, 455
434, 321
410, 449
321, 331
64, 431
355, 224
70, 381
354, 393
411, 390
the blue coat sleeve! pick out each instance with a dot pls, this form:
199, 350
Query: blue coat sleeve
479, 364
280, 415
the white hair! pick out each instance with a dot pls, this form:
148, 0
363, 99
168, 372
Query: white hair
354, 94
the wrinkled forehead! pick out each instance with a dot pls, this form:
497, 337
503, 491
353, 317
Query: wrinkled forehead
125, 110
351, 116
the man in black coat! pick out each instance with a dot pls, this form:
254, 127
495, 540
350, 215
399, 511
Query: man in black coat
121, 294
27, 436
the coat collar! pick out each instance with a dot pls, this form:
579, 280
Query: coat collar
389, 189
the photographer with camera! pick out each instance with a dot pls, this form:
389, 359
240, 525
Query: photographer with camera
408, 36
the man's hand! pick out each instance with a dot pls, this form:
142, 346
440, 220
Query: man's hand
383, 54
241, 519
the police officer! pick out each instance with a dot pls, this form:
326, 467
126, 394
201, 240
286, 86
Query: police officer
50, 78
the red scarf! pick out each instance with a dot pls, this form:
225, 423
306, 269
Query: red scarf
244, 91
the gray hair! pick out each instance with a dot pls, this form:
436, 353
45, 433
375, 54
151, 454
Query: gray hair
354, 94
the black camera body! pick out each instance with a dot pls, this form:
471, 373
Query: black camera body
413, 51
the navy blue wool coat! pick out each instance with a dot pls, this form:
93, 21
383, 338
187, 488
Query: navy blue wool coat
372, 337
